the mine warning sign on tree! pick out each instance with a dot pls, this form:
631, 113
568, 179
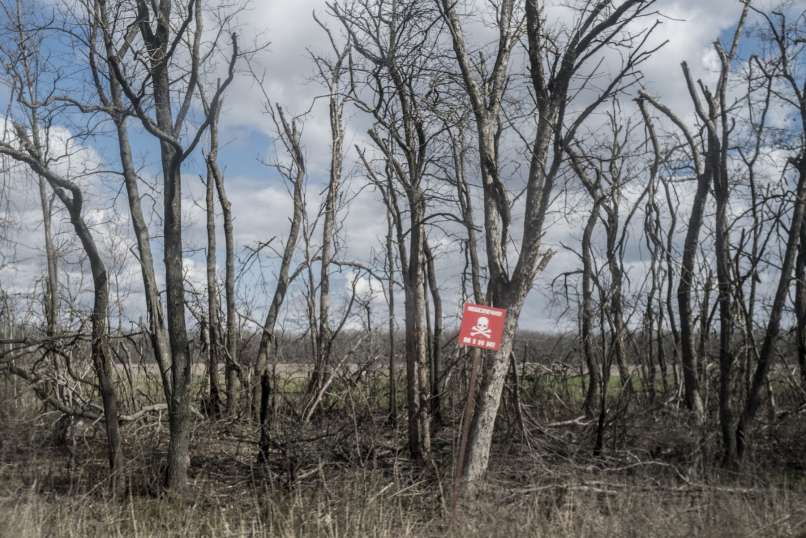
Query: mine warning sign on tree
482, 326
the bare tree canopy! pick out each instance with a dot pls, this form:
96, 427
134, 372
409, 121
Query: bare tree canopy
237, 240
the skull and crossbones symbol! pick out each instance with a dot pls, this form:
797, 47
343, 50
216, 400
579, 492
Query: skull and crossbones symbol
482, 328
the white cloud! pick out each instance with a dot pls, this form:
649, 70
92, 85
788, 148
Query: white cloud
261, 203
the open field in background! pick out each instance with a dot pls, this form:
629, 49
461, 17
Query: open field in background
347, 474
547, 388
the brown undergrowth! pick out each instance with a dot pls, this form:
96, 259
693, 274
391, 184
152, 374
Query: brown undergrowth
347, 475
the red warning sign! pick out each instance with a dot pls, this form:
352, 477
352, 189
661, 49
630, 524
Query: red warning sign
482, 326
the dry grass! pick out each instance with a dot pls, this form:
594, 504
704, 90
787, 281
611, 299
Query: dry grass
364, 504
346, 476
43, 495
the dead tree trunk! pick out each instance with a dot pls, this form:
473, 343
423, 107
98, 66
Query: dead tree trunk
52, 278
290, 136
436, 339
229, 346
232, 367
331, 71
586, 322
390, 298
214, 325
551, 89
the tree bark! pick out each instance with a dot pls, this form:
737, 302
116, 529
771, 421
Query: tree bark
418, 386
324, 338
52, 282
214, 323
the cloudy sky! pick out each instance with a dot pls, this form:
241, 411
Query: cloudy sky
260, 197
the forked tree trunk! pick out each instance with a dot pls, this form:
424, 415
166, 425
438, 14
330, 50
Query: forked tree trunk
551, 89
160, 42
156, 326
232, 367
291, 139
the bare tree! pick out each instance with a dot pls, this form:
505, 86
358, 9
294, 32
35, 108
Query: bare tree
714, 172
332, 72
290, 136
111, 100
692, 395
786, 44
29, 143
395, 41
71, 196
232, 368
149, 86
606, 171
554, 67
